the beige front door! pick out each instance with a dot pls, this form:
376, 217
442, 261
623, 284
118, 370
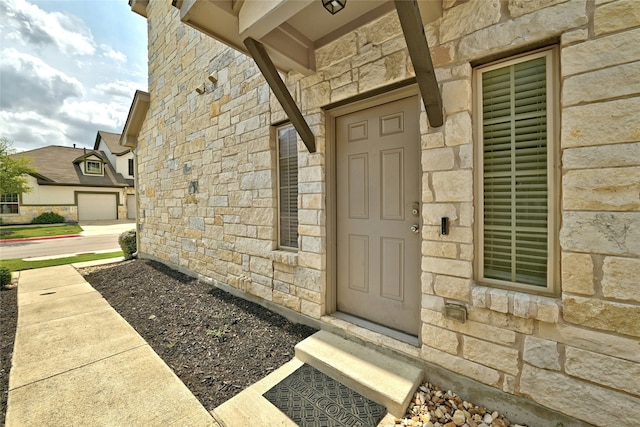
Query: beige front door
378, 214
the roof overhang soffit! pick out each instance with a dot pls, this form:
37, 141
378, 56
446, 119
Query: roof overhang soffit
139, 6
135, 119
284, 34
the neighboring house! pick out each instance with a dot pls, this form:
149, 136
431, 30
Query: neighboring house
122, 159
476, 212
76, 183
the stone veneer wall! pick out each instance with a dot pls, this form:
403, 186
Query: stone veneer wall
207, 172
208, 196
27, 213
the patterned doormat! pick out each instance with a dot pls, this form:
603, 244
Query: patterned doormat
313, 399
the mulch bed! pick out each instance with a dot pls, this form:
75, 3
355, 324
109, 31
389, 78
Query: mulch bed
8, 321
216, 343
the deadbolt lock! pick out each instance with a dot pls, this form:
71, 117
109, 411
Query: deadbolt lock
415, 209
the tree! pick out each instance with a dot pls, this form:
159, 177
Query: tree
13, 170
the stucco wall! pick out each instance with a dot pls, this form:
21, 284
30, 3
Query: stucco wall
570, 352
60, 200
122, 164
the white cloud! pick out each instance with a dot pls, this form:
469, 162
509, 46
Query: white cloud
121, 88
27, 22
113, 54
37, 129
96, 114
76, 122
61, 82
28, 83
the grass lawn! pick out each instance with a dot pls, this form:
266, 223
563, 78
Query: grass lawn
17, 264
44, 231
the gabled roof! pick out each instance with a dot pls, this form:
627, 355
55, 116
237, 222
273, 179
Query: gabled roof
91, 153
57, 165
113, 143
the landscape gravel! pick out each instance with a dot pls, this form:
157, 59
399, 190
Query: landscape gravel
433, 407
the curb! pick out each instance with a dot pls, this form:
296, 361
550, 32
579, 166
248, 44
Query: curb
31, 239
97, 262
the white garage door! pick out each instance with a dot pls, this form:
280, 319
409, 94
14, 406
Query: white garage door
93, 207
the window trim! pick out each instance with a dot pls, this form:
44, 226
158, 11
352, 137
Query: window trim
131, 167
553, 173
282, 246
11, 203
98, 162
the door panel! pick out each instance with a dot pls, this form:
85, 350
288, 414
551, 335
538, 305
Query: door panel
378, 181
359, 265
392, 184
359, 186
392, 268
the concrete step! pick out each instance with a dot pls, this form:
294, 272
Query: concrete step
376, 376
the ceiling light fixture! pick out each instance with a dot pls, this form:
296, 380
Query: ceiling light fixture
334, 6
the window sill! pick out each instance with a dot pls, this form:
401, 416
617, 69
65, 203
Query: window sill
519, 304
285, 257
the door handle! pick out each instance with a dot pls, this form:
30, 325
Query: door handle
415, 228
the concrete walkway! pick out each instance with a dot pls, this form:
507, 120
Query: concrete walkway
76, 361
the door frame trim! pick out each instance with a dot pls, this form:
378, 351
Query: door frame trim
347, 107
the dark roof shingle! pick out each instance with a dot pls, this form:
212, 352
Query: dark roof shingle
57, 165
113, 142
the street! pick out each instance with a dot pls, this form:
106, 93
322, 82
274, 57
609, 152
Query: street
96, 236
68, 245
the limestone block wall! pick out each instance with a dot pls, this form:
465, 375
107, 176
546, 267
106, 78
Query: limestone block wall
207, 179
27, 213
566, 352
207, 193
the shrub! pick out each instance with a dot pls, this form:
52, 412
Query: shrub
5, 276
48, 218
127, 241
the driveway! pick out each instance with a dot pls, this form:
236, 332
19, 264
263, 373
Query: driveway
100, 228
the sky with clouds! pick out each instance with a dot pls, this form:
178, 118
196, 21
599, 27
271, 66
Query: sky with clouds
68, 68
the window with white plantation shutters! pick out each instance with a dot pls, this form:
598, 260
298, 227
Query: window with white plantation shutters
288, 186
9, 203
516, 133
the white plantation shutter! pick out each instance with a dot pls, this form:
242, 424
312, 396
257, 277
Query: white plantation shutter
515, 183
288, 186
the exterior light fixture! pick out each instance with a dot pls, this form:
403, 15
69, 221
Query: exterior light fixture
334, 6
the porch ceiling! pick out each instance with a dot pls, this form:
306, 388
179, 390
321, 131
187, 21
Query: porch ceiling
285, 34
290, 30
